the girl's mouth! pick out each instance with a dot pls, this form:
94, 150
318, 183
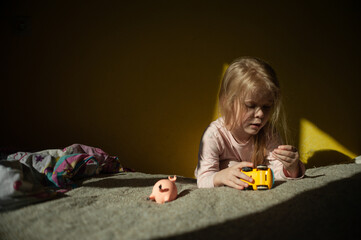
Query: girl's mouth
255, 125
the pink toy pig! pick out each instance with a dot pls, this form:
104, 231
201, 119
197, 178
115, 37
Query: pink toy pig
164, 190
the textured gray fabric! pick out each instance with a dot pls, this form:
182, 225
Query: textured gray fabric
325, 203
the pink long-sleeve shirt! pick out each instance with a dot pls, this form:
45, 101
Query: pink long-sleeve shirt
219, 150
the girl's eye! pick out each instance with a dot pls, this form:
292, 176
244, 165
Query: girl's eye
250, 106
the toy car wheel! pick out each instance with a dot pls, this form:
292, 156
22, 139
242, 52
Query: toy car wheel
247, 169
262, 187
249, 188
262, 167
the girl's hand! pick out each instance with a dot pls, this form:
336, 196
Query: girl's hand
289, 157
231, 176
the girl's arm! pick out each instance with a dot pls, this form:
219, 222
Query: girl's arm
208, 172
208, 159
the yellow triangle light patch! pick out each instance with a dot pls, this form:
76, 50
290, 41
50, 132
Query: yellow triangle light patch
216, 113
313, 140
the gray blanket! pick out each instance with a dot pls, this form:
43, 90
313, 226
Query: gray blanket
326, 203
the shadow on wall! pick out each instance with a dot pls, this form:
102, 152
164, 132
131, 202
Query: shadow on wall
328, 157
315, 214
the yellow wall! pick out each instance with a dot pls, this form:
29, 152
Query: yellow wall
140, 79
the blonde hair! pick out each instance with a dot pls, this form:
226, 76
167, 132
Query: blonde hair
244, 76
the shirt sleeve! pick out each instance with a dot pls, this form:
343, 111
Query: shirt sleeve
208, 159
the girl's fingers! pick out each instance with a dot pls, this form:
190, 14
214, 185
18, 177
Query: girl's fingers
237, 178
288, 147
287, 156
240, 183
234, 185
238, 174
247, 178
284, 157
285, 153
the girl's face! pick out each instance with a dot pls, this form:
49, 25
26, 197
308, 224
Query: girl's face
257, 111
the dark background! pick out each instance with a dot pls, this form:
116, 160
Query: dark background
139, 79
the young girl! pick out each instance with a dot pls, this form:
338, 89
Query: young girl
250, 130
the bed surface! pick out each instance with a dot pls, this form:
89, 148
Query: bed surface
327, 202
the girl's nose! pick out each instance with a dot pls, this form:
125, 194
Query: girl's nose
259, 113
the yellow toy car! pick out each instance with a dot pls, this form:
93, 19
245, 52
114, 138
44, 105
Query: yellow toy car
262, 175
